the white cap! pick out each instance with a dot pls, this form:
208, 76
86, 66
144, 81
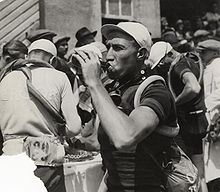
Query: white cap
45, 45
158, 51
136, 30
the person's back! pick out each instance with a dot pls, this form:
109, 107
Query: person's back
11, 51
23, 117
18, 108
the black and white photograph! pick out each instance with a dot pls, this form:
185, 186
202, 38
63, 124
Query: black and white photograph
109, 95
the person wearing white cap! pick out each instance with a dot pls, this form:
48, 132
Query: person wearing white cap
22, 116
209, 51
183, 73
126, 131
158, 53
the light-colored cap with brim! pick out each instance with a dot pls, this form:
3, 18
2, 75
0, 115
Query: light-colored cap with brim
136, 30
45, 45
210, 44
158, 51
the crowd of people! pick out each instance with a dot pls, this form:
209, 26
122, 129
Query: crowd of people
54, 100
189, 32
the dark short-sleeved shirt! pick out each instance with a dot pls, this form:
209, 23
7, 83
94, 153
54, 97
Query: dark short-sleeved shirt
192, 123
135, 170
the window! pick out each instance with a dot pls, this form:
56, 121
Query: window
122, 9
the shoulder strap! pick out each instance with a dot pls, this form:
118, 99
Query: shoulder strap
201, 68
169, 73
143, 86
11, 66
162, 129
20, 65
37, 95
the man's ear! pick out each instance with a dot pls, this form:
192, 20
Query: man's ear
52, 60
142, 54
7, 59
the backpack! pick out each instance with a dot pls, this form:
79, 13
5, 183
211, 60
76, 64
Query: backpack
180, 173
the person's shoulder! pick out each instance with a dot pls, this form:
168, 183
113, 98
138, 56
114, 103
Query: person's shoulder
216, 61
156, 86
50, 73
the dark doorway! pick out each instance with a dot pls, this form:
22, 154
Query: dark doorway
111, 21
183, 9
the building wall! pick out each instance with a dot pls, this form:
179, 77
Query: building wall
17, 17
67, 16
148, 12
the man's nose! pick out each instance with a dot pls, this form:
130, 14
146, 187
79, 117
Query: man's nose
110, 56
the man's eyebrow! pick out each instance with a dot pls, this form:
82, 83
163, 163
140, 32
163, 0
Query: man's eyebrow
114, 44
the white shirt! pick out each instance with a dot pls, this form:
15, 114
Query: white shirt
17, 174
22, 116
212, 84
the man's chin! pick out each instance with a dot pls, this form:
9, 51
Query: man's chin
111, 75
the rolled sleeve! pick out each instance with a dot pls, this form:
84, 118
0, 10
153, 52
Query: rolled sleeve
181, 67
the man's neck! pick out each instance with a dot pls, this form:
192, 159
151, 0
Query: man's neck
39, 62
38, 57
130, 78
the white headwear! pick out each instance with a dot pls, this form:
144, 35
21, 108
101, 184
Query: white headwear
45, 45
158, 51
136, 30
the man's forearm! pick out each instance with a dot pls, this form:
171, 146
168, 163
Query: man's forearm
115, 122
186, 96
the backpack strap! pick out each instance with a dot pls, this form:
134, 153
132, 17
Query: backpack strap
177, 59
143, 86
198, 60
161, 129
14, 65
169, 73
36, 94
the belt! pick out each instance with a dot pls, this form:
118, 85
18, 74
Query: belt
196, 112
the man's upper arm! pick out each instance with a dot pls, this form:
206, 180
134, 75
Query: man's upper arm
190, 80
155, 107
68, 106
183, 70
146, 119
159, 99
